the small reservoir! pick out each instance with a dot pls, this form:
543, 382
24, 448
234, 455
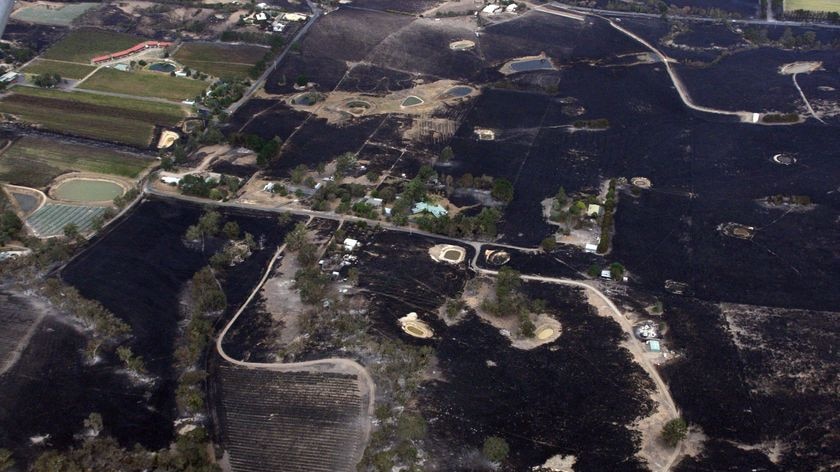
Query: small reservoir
87, 190
162, 67
531, 64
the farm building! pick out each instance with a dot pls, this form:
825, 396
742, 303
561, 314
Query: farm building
294, 17
132, 50
591, 248
9, 77
594, 210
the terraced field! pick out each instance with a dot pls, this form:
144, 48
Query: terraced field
35, 162
221, 60
90, 115
82, 45
292, 421
51, 218
62, 15
144, 84
69, 70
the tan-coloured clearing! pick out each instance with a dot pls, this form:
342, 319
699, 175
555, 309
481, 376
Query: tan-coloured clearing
641, 182
559, 463
447, 253
167, 139
548, 330
462, 45
801, 67
414, 327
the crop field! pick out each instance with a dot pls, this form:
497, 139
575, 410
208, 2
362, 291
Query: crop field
92, 116
84, 44
35, 162
220, 60
813, 5
64, 69
144, 84
50, 219
52, 15
292, 420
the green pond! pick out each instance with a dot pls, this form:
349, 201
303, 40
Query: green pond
411, 101
85, 190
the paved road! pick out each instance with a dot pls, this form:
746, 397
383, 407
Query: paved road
316, 12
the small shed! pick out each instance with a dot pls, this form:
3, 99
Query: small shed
350, 244
606, 273
594, 210
591, 248
654, 346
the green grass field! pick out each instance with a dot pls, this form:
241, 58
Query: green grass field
83, 44
35, 162
219, 59
63, 16
813, 5
144, 84
91, 115
64, 69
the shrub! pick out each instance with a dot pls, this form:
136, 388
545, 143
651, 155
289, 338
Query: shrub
495, 448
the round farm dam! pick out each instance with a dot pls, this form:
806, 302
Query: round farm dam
87, 190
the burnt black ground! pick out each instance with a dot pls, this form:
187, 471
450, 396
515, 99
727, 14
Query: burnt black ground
138, 270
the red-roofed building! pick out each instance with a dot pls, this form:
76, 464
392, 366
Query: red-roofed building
132, 50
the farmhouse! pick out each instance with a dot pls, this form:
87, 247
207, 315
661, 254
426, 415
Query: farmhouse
132, 50
294, 17
350, 244
435, 210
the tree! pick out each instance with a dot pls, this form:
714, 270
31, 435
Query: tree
296, 237
616, 271
71, 231
674, 431
231, 230
502, 190
788, 40
447, 154
94, 423
298, 173
10, 226
549, 244
47, 80
495, 448
411, 426
6, 460
209, 222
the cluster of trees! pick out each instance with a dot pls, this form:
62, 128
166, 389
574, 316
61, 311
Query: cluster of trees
47, 80
780, 199
607, 219
10, 224
788, 40
807, 15
309, 279
266, 149
674, 431
107, 329
400, 432
190, 452
273, 40
485, 224
12, 54
223, 93
213, 189
122, 200
510, 301
495, 448
599, 123
780, 118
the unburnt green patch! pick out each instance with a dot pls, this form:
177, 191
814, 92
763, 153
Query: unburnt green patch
84, 44
64, 69
35, 162
144, 84
91, 115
